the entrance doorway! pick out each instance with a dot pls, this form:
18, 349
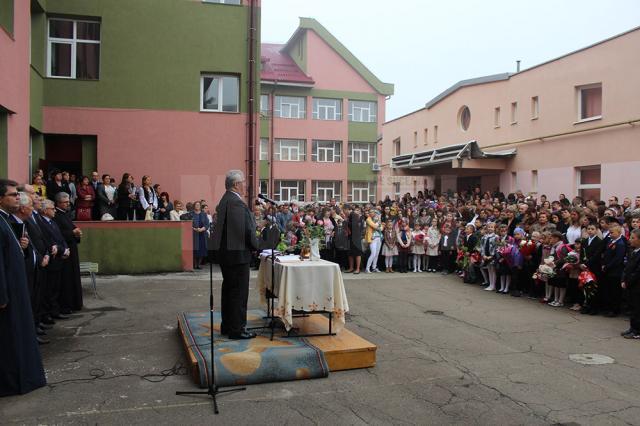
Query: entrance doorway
75, 154
468, 183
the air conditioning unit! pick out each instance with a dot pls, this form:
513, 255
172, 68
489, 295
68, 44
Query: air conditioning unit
375, 167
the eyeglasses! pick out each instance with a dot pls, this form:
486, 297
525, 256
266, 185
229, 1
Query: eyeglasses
11, 194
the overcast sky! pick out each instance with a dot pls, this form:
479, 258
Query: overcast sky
425, 46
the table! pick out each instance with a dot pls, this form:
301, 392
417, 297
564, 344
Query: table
307, 286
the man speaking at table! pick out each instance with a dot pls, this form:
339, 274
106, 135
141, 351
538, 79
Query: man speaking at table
233, 240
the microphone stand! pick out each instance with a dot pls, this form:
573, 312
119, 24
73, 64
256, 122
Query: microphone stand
212, 389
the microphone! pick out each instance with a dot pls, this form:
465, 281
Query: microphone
267, 199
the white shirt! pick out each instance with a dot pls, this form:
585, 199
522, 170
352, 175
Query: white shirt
143, 200
110, 191
573, 233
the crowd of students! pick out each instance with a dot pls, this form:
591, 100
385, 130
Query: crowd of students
583, 254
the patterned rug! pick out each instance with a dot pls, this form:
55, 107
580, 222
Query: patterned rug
247, 362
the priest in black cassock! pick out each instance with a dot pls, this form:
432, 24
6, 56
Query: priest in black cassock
71, 287
21, 368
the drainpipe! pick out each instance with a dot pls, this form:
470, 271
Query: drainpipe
272, 104
251, 149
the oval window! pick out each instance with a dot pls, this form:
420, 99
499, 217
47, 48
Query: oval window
464, 117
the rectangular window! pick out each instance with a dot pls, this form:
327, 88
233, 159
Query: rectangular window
589, 102
264, 148
396, 147
290, 150
219, 93
363, 111
264, 187
327, 109
514, 181
496, 117
589, 182
534, 181
326, 151
291, 107
362, 152
426, 136
535, 108
324, 190
396, 189
361, 192
264, 105
435, 134
73, 49
289, 190
415, 139
514, 112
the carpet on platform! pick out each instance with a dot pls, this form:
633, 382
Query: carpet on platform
253, 361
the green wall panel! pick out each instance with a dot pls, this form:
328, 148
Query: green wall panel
264, 169
37, 150
38, 40
90, 155
363, 132
153, 53
131, 250
361, 172
6, 15
35, 99
4, 144
298, 51
264, 127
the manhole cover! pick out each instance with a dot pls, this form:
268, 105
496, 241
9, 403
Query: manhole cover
591, 359
434, 312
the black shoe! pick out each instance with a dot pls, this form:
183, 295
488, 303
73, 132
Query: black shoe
61, 316
45, 326
42, 340
629, 331
242, 336
40, 332
48, 321
611, 314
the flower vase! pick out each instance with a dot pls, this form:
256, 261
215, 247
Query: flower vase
315, 248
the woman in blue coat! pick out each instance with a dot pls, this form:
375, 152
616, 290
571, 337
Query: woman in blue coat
200, 227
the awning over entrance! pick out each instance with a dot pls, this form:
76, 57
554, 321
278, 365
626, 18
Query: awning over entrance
463, 156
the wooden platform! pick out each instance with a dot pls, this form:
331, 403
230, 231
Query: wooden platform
344, 351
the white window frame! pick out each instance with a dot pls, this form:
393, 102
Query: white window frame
362, 192
220, 93
363, 111
295, 110
324, 190
362, 152
73, 42
580, 185
514, 113
290, 150
535, 107
496, 117
327, 109
289, 187
264, 105
579, 90
265, 190
326, 151
264, 149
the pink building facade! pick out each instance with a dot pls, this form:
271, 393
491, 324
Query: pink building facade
570, 125
322, 113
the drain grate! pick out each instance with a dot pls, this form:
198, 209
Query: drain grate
434, 312
591, 359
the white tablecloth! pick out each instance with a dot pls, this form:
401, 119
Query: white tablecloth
308, 286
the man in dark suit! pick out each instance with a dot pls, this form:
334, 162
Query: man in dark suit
631, 282
233, 240
592, 248
612, 268
71, 286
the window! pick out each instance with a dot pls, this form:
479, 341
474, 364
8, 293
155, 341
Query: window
514, 181
327, 151
426, 136
590, 102
514, 112
219, 93
589, 179
535, 108
324, 190
415, 139
396, 147
496, 117
362, 192
264, 148
290, 150
264, 187
534, 181
264, 105
327, 109
464, 118
289, 190
222, 1
291, 107
435, 134
396, 189
363, 111
362, 152
73, 49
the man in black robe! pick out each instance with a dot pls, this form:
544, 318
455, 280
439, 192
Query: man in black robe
71, 287
21, 368
233, 240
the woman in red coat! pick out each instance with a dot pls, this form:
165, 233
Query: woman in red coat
86, 198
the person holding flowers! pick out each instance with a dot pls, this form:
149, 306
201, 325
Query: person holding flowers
389, 248
417, 249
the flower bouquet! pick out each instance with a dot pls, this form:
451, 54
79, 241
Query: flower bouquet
571, 261
527, 248
545, 271
587, 282
462, 260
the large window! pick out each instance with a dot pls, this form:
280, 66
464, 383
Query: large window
327, 109
589, 102
362, 192
290, 150
397, 147
589, 182
264, 105
324, 190
363, 111
264, 187
264, 148
219, 93
291, 107
327, 151
362, 152
73, 49
289, 190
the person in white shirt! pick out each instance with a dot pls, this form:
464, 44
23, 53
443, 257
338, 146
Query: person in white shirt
148, 199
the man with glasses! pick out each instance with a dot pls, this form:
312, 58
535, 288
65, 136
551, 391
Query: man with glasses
21, 368
70, 287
